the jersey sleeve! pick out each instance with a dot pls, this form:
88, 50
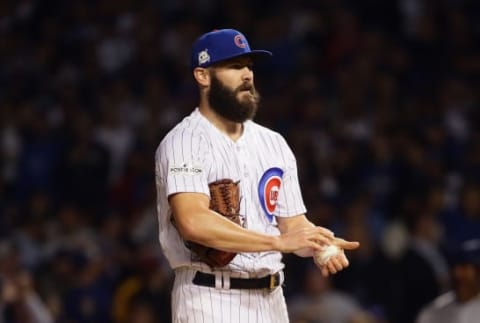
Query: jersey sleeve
290, 201
181, 163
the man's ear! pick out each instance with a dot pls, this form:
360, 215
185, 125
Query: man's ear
202, 76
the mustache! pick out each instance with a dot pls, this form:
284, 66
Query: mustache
246, 87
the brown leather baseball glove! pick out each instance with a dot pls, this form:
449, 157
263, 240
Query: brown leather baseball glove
224, 199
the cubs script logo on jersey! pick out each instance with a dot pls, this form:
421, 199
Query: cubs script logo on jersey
268, 190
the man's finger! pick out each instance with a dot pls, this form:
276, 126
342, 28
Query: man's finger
331, 267
317, 245
347, 245
337, 264
325, 232
344, 260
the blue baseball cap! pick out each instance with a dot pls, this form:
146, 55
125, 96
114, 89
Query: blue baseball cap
467, 252
220, 45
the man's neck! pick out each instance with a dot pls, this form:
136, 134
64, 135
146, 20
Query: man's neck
232, 129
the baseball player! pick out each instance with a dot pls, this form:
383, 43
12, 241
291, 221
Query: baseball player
219, 141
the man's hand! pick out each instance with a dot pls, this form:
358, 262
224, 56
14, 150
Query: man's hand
338, 262
313, 238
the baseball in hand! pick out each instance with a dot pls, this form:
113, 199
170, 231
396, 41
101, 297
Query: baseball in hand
324, 255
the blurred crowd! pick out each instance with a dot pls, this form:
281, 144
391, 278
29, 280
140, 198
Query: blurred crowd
379, 100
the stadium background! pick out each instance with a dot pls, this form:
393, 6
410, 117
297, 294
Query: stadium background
378, 99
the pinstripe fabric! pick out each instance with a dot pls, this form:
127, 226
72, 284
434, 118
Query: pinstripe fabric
199, 304
196, 153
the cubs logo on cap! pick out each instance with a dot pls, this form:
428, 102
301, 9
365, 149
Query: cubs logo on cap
268, 190
220, 45
240, 41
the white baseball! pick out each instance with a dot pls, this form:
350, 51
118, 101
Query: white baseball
324, 255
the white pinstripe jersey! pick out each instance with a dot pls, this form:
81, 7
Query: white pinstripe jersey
195, 153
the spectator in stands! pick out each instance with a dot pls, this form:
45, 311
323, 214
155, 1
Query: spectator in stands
462, 303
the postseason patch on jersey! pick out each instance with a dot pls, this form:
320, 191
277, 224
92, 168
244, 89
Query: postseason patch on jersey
268, 190
185, 169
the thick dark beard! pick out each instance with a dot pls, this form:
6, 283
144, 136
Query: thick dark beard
225, 103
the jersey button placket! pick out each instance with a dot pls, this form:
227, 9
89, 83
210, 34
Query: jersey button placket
242, 157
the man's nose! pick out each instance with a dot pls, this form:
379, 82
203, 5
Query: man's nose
247, 74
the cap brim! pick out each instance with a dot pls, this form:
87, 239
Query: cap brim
257, 54
261, 53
